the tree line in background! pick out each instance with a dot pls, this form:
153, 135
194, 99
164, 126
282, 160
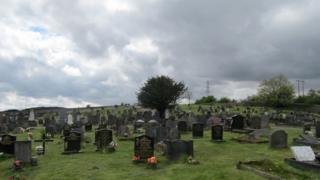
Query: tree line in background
212, 100
162, 92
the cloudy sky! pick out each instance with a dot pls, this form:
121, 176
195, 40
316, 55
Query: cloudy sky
73, 53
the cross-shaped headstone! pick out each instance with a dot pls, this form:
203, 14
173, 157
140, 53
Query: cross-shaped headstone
44, 139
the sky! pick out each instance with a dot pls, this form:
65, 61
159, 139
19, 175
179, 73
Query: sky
77, 52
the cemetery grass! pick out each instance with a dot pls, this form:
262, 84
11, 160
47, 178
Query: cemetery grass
217, 161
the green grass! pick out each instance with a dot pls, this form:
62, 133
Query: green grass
217, 161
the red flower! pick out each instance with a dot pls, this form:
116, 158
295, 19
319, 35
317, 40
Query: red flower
152, 160
136, 158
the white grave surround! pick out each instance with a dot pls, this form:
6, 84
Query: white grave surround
303, 153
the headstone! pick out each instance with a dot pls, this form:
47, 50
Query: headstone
162, 133
237, 122
123, 131
255, 122
318, 129
197, 130
176, 148
279, 139
70, 119
31, 115
217, 133
66, 130
23, 151
144, 147
103, 139
174, 134
303, 153
72, 143
7, 143
182, 126
88, 127
265, 121
44, 139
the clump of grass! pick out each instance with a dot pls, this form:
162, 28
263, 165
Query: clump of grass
276, 169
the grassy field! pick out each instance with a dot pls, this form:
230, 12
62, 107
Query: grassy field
217, 161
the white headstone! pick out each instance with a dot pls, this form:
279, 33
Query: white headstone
31, 115
70, 119
303, 153
167, 114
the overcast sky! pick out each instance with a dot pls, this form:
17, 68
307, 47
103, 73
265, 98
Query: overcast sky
78, 52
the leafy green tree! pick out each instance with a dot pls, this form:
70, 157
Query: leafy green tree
160, 92
224, 100
206, 100
276, 92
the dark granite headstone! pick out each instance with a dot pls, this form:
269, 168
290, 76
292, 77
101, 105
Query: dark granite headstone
175, 148
197, 130
318, 129
72, 143
103, 139
182, 126
66, 130
279, 139
144, 147
23, 151
7, 143
237, 122
217, 133
88, 127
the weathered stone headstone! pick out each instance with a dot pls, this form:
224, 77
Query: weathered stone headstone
217, 133
72, 143
197, 130
279, 139
174, 134
103, 139
23, 151
144, 147
162, 133
123, 131
255, 122
7, 143
265, 121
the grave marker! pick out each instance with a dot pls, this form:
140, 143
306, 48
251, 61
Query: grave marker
279, 139
7, 143
144, 147
23, 151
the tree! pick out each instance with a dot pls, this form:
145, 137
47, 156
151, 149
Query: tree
224, 100
206, 100
160, 92
276, 92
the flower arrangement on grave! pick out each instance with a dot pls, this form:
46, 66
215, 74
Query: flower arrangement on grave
112, 146
17, 165
191, 160
152, 162
135, 159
